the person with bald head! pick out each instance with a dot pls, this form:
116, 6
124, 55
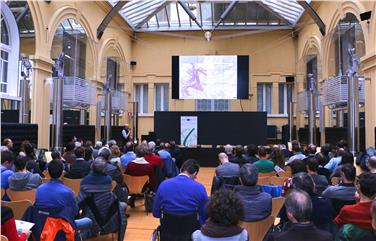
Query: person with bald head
299, 211
372, 164
226, 168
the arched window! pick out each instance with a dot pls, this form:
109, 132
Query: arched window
9, 47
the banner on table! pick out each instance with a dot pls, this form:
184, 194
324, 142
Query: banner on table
188, 130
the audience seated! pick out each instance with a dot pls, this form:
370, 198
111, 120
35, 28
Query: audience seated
347, 158
8, 226
335, 161
69, 155
299, 211
359, 214
320, 181
321, 170
169, 165
115, 173
228, 149
326, 154
7, 145
182, 194
226, 168
129, 155
278, 159
257, 204
296, 167
31, 164
152, 158
98, 145
55, 155
79, 167
311, 150
238, 158
225, 209
250, 154
7, 159
140, 167
99, 203
322, 210
163, 153
370, 235
372, 164
175, 152
115, 158
22, 179
89, 155
343, 193
264, 165
297, 153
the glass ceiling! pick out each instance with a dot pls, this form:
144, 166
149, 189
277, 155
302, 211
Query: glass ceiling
159, 15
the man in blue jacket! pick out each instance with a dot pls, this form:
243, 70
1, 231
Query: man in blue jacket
182, 194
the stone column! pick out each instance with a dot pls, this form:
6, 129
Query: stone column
40, 104
369, 68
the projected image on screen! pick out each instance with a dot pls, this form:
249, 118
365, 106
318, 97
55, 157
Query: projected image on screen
208, 77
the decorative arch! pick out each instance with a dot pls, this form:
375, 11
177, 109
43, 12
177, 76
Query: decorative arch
37, 16
71, 13
108, 44
355, 7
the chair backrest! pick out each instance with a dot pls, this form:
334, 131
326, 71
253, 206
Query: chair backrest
257, 230
287, 169
285, 174
277, 204
178, 226
277, 181
18, 207
2, 192
334, 180
3, 238
268, 174
135, 183
263, 181
22, 195
73, 184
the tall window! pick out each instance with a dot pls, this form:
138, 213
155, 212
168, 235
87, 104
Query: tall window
264, 97
283, 101
9, 51
212, 105
161, 97
141, 96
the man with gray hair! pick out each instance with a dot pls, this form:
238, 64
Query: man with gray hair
257, 204
372, 164
226, 168
298, 206
151, 157
96, 190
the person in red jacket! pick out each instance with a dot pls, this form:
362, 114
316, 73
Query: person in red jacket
8, 226
153, 159
359, 213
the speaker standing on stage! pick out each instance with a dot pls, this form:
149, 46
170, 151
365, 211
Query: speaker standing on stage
126, 133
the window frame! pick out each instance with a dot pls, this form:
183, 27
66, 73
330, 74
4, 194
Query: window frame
141, 103
213, 104
264, 108
164, 91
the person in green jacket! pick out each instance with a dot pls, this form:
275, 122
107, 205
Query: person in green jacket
264, 165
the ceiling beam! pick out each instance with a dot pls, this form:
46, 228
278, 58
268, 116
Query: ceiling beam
314, 16
267, 8
190, 14
152, 14
225, 13
23, 13
107, 19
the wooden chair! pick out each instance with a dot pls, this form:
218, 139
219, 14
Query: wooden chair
73, 184
285, 174
335, 180
277, 204
277, 181
22, 195
263, 181
257, 230
45, 180
268, 174
18, 207
287, 169
135, 183
3, 238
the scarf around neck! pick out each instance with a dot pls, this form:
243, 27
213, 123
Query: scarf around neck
216, 231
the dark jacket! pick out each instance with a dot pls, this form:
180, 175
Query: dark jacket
115, 173
69, 156
95, 189
302, 232
250, 159
321, 183
32, 165
79, 169
257, 204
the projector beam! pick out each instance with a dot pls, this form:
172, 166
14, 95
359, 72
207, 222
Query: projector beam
314, 16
